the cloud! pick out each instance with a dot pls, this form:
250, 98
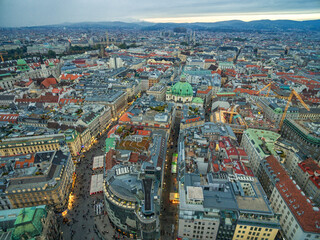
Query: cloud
41, 12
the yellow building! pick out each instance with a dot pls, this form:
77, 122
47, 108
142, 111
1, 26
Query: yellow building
244, 232
86, 139
73, 141
51, 183
25, 145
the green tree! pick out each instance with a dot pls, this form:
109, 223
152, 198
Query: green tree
123, 46
51, 54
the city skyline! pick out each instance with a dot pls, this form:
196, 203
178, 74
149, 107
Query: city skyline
20, 13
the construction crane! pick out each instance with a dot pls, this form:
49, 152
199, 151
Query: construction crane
293, 93
232, 111
3, 53
265, 87
231, 114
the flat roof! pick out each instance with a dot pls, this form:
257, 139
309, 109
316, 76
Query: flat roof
195, 193
98, 162
254, 203
256, 136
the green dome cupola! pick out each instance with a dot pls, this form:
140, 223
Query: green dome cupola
182, 89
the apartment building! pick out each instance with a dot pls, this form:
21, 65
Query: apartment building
216, 202
258, 144
305, 132
47, 180
307, 177
25, 145
299, 217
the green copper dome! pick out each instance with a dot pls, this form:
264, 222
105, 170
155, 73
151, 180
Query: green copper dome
182, 89
21, 62
22, 65
197, 100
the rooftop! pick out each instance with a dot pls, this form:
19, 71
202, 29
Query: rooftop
263, 141
307, 215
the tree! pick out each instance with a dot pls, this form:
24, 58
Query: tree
123, 46
51, 54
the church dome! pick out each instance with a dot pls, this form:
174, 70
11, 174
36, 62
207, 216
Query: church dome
21, 62
197, 100
182, 89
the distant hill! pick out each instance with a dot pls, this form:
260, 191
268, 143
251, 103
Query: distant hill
234, 25
260, 25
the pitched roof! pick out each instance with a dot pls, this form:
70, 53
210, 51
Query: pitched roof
307, 216
143, 132
125, 117
8, 117
70, 76
48, 82
313, 169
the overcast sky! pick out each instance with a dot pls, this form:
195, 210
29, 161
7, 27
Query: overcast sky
15, 13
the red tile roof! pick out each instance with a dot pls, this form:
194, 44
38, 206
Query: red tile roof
70, 76
259, 75
313, 169
218, 71
69, 100
48, 82
112, 130
125, 118
308, 218
28, 83
242, 90
143, 132
252, 66
205, 91
9, 117
283, 73
210, 60
134, 157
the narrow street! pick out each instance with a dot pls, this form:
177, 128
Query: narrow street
169, 211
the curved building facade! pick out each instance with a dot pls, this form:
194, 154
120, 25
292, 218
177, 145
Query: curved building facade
131, 201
